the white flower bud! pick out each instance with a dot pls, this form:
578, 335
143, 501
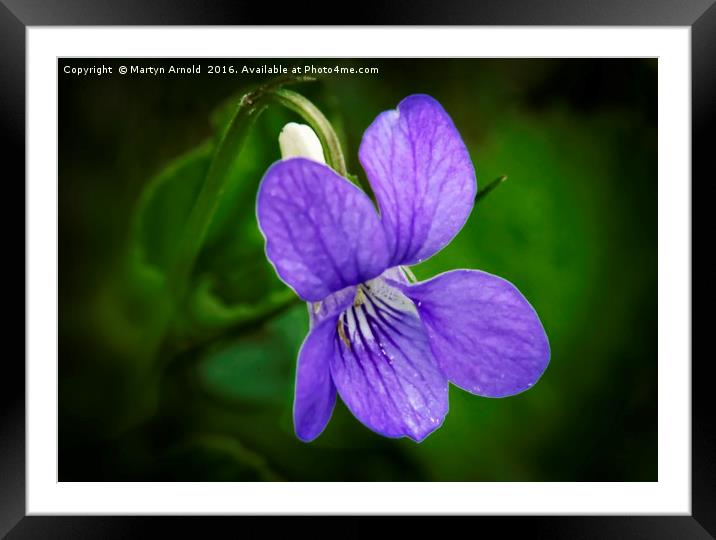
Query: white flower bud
299, 140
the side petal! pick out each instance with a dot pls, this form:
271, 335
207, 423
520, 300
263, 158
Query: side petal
315, 392
330, 306
384, 369
322, 233
422, 176
486, 337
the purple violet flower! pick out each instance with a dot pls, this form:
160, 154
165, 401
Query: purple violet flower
389, 347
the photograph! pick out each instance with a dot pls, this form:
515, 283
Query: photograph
357, 269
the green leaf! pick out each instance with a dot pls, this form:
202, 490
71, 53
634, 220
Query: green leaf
210, 310
164, 206
233, 237
253, 369
209, 315
256, 367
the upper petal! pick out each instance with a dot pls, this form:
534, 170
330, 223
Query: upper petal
486, 337
322, 233
422, 176
383, 367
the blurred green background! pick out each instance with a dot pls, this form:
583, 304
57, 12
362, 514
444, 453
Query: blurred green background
202, 388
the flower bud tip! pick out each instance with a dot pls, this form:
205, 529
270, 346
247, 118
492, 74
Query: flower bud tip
299, 140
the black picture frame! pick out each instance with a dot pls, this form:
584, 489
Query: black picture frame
16, 15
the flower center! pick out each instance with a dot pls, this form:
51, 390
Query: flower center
375, 303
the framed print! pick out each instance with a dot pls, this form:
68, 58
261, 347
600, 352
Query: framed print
363, 270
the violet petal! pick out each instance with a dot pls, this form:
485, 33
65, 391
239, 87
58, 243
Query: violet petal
384, 369
486, 337
315, 392
422, 176
322, 233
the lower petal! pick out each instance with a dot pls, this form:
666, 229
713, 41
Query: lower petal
383, 366
315, 392
486, 337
